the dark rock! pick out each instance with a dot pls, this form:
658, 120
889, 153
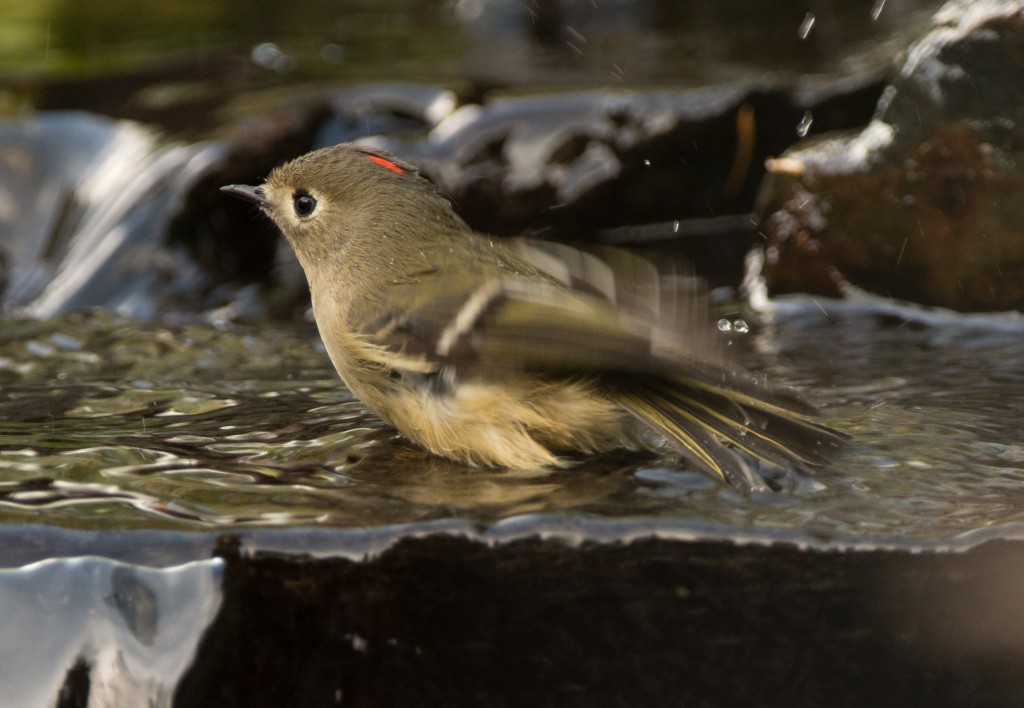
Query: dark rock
649, 620
579, 162
923, 204
543, 611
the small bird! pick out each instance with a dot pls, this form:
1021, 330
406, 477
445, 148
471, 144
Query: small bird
513, 353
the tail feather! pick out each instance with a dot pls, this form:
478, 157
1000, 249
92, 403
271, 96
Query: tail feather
700, 418
775, 434
694, 439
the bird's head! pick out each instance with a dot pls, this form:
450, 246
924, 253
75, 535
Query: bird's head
347, 197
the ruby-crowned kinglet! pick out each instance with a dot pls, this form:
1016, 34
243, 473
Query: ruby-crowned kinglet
510, 353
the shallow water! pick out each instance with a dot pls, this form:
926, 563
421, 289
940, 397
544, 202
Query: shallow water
106, 423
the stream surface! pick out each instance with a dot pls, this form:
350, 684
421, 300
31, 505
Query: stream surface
107, 423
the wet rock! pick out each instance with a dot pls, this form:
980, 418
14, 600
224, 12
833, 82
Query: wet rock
924, 204
533, 611
386, 107
578, 162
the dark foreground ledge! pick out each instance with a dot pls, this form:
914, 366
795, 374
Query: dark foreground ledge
546, 612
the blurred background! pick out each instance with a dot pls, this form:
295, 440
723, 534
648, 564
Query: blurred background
492, 42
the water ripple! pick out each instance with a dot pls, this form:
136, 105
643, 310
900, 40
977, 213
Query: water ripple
266, 435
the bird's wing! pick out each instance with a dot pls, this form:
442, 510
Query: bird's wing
698, 418
616, 313
498, 322
538, 305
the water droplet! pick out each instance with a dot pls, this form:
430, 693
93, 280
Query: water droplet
40, 349
740, 326
724, 325
332, 53
469, 10
647, 163
805, 124
269, 56
806, 25
264, 54
577, 36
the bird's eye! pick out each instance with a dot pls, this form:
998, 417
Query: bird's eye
304, 204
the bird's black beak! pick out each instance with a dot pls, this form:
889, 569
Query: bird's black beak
256, 195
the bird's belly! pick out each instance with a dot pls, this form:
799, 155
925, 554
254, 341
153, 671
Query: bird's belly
519, 423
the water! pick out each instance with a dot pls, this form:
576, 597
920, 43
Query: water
112, 424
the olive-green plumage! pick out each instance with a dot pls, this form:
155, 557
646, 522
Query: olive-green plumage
509, 352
